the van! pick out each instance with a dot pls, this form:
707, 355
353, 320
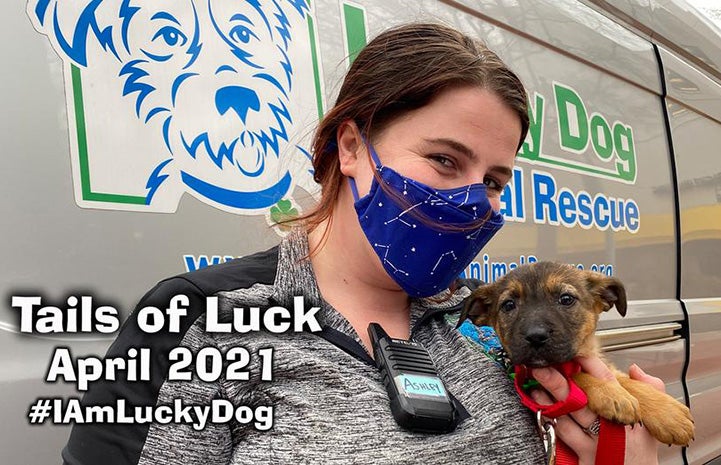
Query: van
144, 142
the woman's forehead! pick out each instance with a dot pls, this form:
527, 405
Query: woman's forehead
469, 120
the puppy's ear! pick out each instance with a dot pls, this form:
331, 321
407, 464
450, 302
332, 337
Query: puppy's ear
609, 291
479, 307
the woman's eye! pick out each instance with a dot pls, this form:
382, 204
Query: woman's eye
566, 300
443, 160
493, 184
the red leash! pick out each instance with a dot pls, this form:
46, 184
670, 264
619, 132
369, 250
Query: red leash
611, 437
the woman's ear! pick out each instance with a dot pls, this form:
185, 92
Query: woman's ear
351, 149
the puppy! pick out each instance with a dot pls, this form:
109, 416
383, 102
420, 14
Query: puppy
546, 314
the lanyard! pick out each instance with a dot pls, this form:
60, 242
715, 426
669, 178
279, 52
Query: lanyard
353, 348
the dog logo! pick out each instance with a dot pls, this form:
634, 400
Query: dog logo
214, 98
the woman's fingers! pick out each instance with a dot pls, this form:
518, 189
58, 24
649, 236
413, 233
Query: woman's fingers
568, 430
557, 386
640, 445
595, 367
552, 381
635, 372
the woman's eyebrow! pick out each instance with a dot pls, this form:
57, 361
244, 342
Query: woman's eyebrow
502, 170
455, 145
463, 149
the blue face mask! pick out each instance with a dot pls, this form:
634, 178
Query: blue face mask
422, 256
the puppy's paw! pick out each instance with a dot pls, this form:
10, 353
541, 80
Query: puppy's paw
668, 420
665, 418
612, 402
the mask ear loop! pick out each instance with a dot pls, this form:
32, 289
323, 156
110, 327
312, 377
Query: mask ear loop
374, 155
376, 160
353, 188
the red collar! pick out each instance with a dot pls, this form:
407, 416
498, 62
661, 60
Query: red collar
612, 437
576, 397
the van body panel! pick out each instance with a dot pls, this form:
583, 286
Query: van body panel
704, 377
696, 131
690, 86
573, 28
671, 23
643, 313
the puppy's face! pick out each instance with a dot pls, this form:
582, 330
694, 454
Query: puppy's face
545, 313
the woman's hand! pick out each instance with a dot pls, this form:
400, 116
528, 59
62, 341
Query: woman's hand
641, 447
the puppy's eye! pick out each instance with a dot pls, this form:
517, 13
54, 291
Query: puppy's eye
508, 305
566, 300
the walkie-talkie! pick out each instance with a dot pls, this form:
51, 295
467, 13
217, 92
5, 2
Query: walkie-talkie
419, 400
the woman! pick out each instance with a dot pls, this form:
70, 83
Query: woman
412, 160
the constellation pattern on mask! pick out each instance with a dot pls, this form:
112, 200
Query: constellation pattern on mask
432, 200
452, 253
474, 234
436, 198
399, 216
385, 258
467, 192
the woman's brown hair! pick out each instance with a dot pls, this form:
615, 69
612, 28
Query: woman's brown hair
399, 71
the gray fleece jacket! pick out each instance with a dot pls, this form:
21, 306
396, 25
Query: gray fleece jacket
328, 406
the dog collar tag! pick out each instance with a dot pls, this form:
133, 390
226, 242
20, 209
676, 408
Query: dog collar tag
576, 397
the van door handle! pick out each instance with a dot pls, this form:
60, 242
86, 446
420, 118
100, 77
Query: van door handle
637, 336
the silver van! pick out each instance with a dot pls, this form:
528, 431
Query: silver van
146, 141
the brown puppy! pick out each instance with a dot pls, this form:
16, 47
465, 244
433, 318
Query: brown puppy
546, 314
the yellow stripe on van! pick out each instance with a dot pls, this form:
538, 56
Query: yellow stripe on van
702, 222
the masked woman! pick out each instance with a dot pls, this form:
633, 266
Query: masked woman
412, 160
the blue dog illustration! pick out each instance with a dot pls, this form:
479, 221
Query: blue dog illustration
212, 78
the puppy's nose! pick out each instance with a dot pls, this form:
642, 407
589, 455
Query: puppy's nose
236, 98
537, 336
